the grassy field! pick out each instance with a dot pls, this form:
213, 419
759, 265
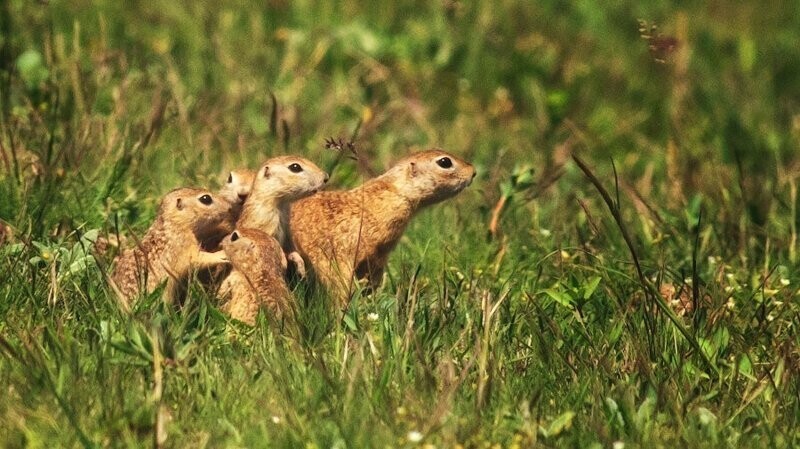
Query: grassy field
644, 295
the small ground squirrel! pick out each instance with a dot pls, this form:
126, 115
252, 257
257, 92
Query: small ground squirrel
257, 278
347, 233
237, 188
174, 244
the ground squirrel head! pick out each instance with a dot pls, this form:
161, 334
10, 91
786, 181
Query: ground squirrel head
288, 178
431, 176
238, 185
205, 214
249, 249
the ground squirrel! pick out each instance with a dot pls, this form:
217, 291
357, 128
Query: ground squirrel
347, 233
175, 244
237, 188
257, 277
279, 182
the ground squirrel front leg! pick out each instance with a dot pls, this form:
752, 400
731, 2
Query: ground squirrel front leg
375, 278
299, 263
206, 259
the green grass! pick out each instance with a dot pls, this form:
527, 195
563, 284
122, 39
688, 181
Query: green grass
536, 332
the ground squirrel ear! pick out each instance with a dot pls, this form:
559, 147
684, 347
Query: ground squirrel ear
179, 204
413, 169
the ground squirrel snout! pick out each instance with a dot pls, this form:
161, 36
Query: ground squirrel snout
187, 221
347, 234
257, 277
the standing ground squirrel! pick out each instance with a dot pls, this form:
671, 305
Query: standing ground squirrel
237, 188
278, 183
257, 278
346, 233
174, 245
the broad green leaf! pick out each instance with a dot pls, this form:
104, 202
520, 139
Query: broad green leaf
591, 286
560, 424
350, 322
562, 298
32, 70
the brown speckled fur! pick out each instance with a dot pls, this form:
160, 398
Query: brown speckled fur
257, 278
275, 187
171, 248
237, 188
262, 200
347, 234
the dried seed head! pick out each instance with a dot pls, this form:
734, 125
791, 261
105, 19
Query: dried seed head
340, 144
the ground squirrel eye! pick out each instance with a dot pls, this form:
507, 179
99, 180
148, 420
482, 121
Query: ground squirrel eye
234, 236
444, 162
230, 178
206, 199
295, 168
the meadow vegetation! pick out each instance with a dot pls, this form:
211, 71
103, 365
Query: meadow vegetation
642, 294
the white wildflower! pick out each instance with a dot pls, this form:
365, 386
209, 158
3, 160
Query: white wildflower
414, 436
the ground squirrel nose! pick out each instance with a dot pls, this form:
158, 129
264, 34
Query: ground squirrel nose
242, 196
474, 173
234, 236
326, 178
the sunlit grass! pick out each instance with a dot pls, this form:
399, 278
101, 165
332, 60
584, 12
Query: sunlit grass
513, 314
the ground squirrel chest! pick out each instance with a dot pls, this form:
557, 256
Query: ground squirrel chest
349, 234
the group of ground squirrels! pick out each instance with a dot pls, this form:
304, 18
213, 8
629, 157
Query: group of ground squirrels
241, 239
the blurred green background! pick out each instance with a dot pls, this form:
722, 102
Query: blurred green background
687, 112
501, 83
